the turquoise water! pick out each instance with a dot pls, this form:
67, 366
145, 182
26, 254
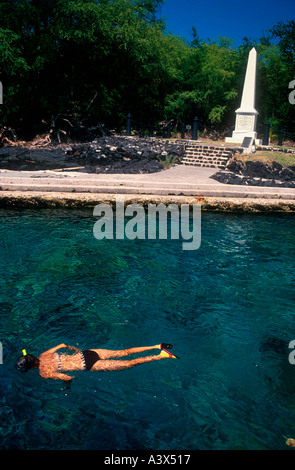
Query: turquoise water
228, 308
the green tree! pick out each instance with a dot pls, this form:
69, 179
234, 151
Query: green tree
96, 60
285, 34
207, 86
279, 71
79, 52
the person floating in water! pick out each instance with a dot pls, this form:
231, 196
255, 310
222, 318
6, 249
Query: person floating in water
52, 364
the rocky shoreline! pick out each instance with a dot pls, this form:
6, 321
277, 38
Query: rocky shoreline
119, 155
111, 154
256, 173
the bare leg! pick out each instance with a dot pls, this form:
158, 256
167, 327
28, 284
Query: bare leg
109, 365
107, 353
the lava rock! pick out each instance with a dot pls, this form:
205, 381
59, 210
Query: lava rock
108, 154
257, 173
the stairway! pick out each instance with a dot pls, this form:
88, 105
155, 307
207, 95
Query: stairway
207, 155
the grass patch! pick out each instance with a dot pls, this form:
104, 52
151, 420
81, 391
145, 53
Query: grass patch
284, 159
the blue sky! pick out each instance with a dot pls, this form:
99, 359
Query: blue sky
232, 18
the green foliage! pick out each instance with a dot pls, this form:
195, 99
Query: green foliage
10, 53
97, 60
209, 78
168, 161
275, 77
285, 34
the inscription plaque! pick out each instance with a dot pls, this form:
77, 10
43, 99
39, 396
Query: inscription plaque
247, 142
244, 122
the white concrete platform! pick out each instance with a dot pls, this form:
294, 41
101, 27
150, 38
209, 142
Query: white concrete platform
179, 180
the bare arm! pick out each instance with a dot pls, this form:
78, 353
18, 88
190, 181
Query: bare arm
56, 376
62, 345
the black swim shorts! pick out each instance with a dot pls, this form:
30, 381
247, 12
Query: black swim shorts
89, 358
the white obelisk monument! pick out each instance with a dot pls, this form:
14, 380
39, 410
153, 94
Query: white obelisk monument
246, 115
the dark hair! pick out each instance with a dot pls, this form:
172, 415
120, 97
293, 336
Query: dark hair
24, 363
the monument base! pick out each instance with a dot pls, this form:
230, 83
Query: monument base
238, 139
245, 127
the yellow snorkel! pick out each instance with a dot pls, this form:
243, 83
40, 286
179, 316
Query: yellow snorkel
24, 352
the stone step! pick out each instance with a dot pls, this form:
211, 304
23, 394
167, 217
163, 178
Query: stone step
206, 156
207, 165
206, 148
221, 154
204, 159
93, 184
210, 147
209, 162
193, 155
209, 154
210, 190
204, 162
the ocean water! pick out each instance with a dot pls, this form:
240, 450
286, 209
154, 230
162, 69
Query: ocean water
228, 309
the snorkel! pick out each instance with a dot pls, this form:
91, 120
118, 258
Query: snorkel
26, 362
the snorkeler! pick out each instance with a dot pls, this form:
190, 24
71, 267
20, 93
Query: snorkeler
52, 365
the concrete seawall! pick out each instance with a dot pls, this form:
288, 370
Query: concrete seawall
180, 184
35, 199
